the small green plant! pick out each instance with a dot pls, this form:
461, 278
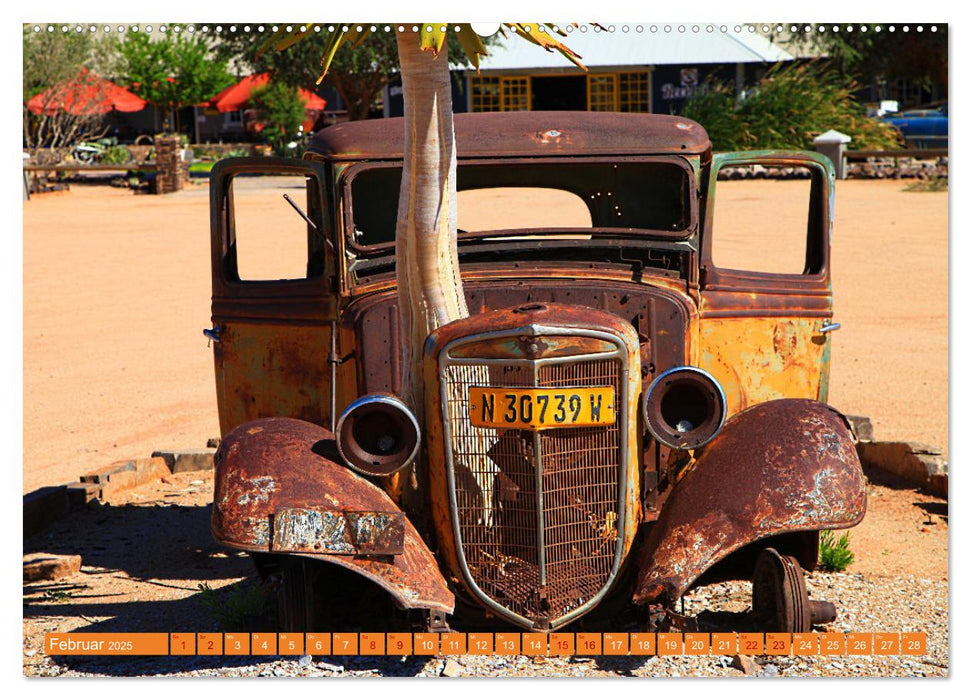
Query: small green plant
234, 607
934, 183
834, 553
115, 155
58, 595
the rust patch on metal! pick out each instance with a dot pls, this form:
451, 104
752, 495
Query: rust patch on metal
782, 466
282, 486
523, 134
336, 532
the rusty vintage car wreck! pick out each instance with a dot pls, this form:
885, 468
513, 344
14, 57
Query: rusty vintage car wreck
617, 420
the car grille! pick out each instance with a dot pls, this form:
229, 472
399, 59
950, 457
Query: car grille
536, 513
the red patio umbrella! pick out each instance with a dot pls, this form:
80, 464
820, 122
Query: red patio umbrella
86, 94
238, 96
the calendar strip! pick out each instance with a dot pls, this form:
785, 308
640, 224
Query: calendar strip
487, 643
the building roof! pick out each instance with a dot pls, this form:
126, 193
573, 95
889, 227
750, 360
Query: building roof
645, 48
486, 134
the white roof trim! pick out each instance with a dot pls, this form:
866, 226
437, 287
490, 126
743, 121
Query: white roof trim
599, 50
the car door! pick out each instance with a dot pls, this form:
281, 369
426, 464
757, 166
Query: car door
766, 302
273, 290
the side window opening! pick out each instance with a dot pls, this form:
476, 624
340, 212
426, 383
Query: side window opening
767, 219
269, 238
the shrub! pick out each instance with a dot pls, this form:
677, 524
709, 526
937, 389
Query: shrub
791, 105
283, 110
115, 155
834, 553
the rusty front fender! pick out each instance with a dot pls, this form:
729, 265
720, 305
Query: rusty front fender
280, 489
781, 466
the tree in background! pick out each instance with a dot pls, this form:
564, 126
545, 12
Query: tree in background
281, 108
871, 57
179, 69
791, 105
56, 59
358, 76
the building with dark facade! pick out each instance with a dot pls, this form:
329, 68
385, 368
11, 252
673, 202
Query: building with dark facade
638, 70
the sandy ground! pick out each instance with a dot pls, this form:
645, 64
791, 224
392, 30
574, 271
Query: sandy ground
117, 292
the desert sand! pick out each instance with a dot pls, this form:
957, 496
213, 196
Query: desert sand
117, 292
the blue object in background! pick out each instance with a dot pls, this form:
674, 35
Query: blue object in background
922, 127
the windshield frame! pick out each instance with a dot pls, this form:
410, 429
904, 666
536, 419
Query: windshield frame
351, 172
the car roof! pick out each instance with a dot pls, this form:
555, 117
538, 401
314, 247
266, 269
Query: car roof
527, 134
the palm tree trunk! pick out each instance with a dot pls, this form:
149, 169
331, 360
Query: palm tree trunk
430, 292
429, 286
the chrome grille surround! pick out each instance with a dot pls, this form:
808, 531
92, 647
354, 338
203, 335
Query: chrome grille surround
538, 526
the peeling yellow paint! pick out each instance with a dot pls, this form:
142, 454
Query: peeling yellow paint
761, 359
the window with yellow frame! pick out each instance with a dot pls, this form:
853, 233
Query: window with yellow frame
493, 93
602, 92
619, 92
634, 92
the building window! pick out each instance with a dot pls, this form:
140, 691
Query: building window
500, 94
602, 93
485, 94
234, 117
515, 94
634, 92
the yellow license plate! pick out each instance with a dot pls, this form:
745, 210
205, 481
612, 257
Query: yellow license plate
536, 409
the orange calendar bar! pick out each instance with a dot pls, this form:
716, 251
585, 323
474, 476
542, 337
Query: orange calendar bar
485, 643
96, 644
